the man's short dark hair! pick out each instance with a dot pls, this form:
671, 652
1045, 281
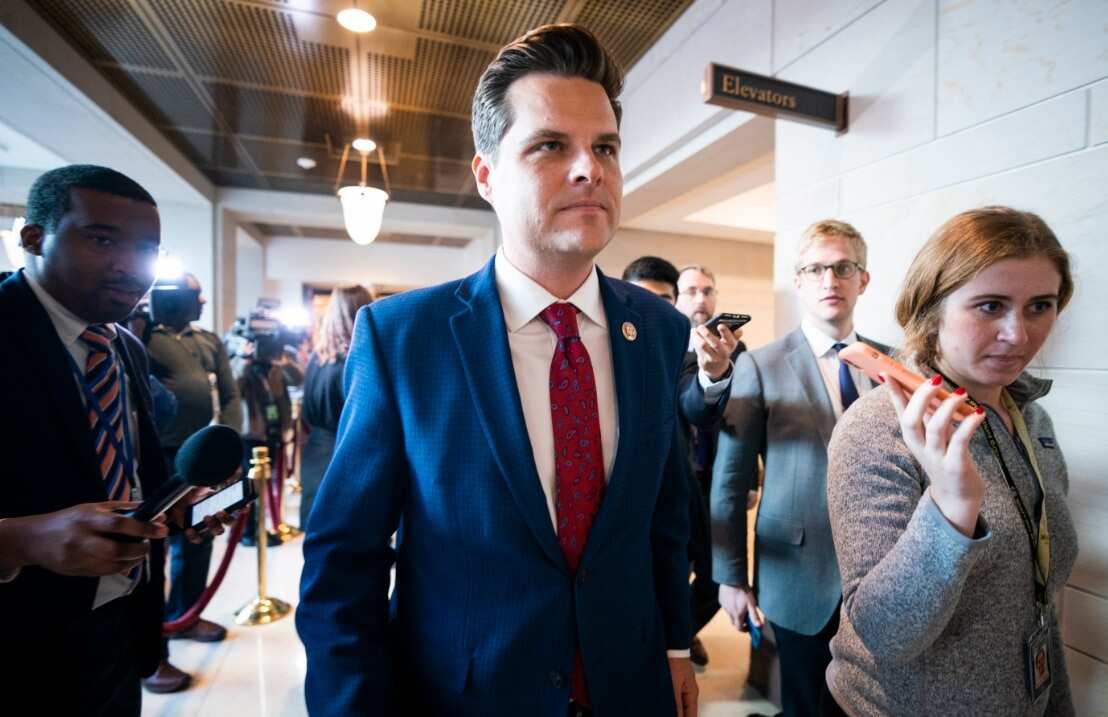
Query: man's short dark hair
565, 49
652, 268
48, 200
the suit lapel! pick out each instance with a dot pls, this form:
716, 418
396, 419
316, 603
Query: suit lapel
482, 341
803, 363
630, 385
46, 354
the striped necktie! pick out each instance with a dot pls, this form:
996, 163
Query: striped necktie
102, 379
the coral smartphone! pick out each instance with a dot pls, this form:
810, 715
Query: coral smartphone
731, 321
868, 359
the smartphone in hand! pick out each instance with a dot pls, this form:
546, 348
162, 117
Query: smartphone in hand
731, 321
868, 359
231, 498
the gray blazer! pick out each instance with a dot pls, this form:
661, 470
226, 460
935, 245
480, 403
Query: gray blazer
778, 411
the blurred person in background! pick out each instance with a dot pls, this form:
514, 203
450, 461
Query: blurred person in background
264, 369
193, 365
323, 394
953, 536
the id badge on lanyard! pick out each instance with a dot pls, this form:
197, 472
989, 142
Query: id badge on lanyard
1037, 644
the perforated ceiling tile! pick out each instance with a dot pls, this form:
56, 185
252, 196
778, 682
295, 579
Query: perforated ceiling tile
280, 114
246, 87
105, 30
248, 43
165, 99
208, 150
497, 22
628, 27
442, 76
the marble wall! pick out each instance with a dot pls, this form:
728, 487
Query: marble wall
956, 104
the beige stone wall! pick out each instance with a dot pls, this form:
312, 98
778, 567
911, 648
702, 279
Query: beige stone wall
744, 271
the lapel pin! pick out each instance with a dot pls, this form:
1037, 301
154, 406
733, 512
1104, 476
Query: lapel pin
629, 331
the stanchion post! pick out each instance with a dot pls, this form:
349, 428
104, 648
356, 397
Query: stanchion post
286, 531
263, 609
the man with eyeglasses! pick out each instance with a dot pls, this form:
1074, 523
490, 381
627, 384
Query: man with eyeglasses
785, 399
705, 385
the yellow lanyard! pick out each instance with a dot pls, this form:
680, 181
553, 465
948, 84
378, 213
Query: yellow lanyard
1040, 548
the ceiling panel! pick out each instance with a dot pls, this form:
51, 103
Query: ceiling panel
247, 87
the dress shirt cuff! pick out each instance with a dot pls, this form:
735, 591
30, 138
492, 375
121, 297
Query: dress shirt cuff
714, 389
677, 654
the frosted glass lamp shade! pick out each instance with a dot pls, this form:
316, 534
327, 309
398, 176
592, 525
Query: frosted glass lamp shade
362, 211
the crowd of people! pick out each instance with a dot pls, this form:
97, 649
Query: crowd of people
554, 468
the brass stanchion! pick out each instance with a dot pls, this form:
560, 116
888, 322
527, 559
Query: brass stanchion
297, 436
286, 531
263, 609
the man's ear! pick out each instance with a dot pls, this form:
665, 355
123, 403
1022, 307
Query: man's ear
31, 238
482, 169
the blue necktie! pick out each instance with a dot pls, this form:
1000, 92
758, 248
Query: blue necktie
847, 390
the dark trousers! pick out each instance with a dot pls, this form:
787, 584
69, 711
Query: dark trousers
107, 683
188, 567
703, 593
804, 660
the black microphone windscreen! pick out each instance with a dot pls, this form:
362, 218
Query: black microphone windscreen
209, 456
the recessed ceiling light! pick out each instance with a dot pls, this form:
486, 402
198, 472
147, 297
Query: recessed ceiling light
306, 163
363, 144
356, 20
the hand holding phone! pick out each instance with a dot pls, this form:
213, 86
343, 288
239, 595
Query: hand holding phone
731, 321
231, 498
874, 363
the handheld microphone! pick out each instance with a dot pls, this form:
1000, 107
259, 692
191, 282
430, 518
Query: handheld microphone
209, 457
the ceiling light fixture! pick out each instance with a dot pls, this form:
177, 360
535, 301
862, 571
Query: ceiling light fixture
306, 163
356, 20
363, 144
363, 207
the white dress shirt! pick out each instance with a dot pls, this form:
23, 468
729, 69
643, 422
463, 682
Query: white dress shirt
70, 327
532, 343
823, 346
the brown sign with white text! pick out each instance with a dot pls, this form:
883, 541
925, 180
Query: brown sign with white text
742, 90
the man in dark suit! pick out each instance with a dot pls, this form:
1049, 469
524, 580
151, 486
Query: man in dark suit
705, 385
81, 599
705, 380
519, 428
785, 399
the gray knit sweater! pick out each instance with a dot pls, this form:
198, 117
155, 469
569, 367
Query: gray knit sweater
933, 622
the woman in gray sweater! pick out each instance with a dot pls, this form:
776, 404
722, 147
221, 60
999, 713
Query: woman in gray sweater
949, 583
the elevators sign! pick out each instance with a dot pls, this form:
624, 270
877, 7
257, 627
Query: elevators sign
742, 90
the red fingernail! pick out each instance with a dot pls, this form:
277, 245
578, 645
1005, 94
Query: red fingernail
980, 410
881, 378
936, 380
959, 391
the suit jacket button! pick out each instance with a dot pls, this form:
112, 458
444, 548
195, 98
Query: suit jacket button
581, 575
557, 679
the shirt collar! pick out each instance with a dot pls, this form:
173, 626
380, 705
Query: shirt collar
523, 299
68, 325
820, 342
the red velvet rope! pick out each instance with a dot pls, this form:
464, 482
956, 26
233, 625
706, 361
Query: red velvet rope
192, 615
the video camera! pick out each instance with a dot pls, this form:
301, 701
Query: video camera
269, 334
173, 301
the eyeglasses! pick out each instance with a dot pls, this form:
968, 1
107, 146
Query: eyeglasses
691, 291
842, 270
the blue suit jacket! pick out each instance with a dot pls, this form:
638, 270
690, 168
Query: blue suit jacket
433, 442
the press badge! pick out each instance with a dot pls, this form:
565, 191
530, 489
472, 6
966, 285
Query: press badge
1038, 660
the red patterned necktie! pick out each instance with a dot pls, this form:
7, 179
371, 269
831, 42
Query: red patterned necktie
578, 454
103, 382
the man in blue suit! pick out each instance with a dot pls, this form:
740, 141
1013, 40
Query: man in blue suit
518, 430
